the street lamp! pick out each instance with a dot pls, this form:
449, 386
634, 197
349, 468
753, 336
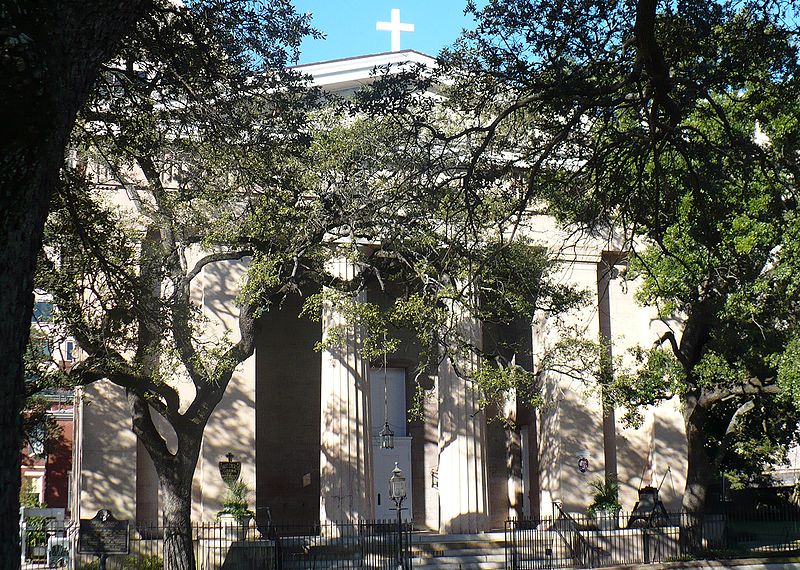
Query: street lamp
397, 492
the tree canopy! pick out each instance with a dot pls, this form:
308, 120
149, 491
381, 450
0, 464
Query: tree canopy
196, 149
672, 125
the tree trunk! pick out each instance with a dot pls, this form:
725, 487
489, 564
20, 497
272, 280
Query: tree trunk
700, 470
175, 472
177, 493
50, 52
699, 475
28, 172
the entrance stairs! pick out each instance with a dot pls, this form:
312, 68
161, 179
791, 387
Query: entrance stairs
485, 551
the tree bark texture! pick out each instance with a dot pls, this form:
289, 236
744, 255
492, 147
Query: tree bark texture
700, 471
50, 53
175, 472
700, 468
176, 491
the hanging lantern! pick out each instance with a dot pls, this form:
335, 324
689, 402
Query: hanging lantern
386, 436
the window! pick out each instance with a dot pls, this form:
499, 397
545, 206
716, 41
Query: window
42, 312
68, 357
32, 487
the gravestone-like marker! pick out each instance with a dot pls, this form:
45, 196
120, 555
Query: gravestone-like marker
104, 535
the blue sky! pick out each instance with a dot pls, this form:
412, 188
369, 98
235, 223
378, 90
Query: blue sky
349, 26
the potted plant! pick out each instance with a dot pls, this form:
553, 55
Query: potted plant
605, 505
235, 514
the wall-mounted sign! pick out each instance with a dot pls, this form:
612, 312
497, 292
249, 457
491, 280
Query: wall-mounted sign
583, 464
230, 470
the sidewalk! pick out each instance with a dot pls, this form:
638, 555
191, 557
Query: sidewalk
737, 563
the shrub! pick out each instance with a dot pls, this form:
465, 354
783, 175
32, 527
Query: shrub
605, 496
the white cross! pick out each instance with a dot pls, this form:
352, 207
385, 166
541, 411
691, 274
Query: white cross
395, 27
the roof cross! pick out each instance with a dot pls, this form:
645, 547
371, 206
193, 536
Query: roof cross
395, 27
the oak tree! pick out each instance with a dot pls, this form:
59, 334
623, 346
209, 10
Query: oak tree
673, 125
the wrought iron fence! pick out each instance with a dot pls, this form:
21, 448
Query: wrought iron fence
378, 545
579, 541
373, 544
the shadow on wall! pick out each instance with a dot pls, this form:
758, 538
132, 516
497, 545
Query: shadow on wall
504, 450
221, 284
635, 457
503, 462
231, 428
671, 450
463, 449
657, 450
346, 444
581, 433
108, 475
549, 446
570, 428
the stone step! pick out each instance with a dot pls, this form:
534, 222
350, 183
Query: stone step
466, 558
439, 552
424, 537
460, 544
484, 551
438, 564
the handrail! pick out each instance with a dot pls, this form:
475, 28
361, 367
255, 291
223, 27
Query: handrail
272, 534
587, 546
567, 542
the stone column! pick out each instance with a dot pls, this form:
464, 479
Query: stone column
345, 442
462, 437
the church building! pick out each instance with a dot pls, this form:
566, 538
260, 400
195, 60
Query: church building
305, 424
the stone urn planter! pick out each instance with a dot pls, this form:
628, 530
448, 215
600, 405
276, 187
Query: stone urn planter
606, 519
605, 505
233, 527
235, 515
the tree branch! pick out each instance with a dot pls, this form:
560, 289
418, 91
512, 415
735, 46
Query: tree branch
749, 387
670, 336
730, 432
215, 257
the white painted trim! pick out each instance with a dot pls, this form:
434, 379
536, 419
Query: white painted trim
349, 73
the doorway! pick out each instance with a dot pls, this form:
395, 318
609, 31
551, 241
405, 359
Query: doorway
389, 404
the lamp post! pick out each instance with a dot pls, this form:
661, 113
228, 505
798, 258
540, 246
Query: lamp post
397, 492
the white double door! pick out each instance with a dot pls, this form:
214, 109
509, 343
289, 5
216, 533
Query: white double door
389, 404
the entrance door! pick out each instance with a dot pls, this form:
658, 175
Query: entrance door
389, 404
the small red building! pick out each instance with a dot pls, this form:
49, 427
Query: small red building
46, 466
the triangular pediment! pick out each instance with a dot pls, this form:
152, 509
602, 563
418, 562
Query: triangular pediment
352, 72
